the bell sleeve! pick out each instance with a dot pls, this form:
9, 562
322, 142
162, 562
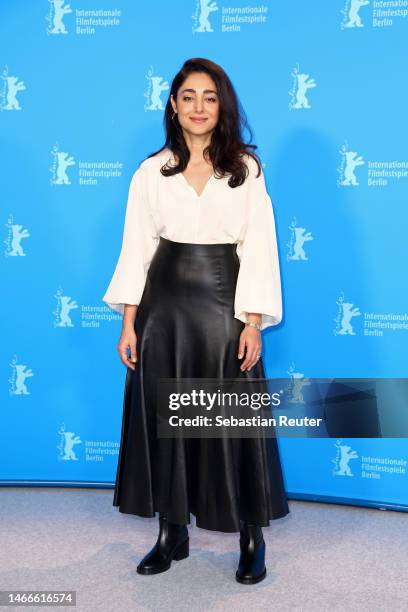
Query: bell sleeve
139, 243
258, 287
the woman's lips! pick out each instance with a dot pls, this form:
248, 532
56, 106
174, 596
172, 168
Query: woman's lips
198, 120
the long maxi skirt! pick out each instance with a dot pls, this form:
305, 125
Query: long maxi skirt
185, 327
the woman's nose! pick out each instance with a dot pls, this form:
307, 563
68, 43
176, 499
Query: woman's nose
198, 105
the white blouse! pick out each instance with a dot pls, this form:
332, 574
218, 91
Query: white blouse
170, 207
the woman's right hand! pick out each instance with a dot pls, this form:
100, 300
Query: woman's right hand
127, 340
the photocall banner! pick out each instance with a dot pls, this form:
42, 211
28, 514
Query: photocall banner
82, 92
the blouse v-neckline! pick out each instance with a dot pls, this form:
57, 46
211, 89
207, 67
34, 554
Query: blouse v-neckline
181, 177
197, 195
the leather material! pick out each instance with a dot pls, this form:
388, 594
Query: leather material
251, 566
172, 543
185, 327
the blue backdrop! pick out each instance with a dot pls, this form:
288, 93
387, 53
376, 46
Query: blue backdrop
82, 94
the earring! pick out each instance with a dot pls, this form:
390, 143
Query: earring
174, 114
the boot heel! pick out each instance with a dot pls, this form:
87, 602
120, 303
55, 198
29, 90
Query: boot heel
182, 551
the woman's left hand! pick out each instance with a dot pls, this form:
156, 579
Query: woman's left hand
250, 344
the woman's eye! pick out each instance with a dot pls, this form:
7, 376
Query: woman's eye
188, 98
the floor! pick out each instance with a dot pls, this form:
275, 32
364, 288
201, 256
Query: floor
320, 557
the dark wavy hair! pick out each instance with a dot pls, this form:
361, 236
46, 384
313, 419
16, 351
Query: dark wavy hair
227, 145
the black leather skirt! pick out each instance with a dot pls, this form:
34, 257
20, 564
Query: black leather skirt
185, 327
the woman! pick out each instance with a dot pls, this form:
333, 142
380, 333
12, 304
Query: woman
197, 280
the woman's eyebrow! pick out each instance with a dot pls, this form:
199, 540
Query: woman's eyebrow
194, 90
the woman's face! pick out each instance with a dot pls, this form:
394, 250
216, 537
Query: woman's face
197, 104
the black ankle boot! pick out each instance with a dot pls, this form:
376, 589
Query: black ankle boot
172, 543
251, 567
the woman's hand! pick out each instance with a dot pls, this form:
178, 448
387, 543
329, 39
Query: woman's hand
251, 341
127, 340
